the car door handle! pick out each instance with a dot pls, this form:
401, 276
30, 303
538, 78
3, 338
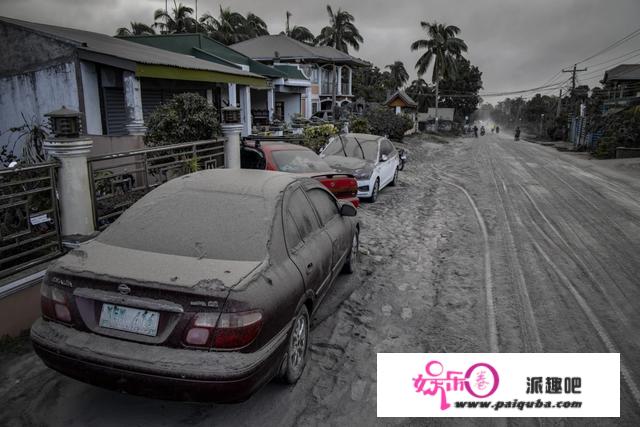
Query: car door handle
309, 267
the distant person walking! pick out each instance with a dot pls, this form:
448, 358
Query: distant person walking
517, 135
475, 131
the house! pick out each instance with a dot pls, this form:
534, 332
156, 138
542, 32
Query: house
621, 85
401, 102
114, 83
329, 70
285, 82
404, 104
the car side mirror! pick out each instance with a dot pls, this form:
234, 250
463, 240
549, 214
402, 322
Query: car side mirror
384, 158
347, 209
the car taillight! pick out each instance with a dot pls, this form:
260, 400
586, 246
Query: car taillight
353, 187
237, 330
231, 331
200, 332
54, 303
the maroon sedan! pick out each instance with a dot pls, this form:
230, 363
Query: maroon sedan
202, 290
291, 158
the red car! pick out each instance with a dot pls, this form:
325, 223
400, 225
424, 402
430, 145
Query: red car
284, 157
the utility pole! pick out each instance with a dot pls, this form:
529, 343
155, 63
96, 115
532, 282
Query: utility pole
573, 75
558, 110
288, 31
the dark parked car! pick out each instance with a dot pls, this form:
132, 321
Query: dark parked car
202, 290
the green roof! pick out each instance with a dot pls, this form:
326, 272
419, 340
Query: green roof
206, 48
290, 71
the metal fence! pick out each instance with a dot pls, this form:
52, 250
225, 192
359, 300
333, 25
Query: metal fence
118, 180
29, 218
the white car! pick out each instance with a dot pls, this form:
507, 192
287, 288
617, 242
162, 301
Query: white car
371, 159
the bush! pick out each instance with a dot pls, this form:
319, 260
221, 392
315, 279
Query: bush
383, 121
187, 117
359, 125
315, 137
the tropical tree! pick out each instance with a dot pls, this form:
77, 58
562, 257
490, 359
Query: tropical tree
399, 75
228, 28
254, 26
467, 80
179, 20
231, 27
371, 84
302, 34
422, 93
137, 29
443, 47
341, 31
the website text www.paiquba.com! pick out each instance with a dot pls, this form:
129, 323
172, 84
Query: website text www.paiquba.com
519, 404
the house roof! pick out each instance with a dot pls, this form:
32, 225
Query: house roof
103, 44
203, 47
290, 71
623, 72
400, 94
281, 47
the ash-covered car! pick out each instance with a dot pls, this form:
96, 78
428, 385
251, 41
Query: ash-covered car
202, 290
371, 159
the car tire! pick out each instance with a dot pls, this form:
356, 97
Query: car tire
375, 191
351, 263
297, 349
395, 178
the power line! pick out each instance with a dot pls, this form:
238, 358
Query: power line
613, 45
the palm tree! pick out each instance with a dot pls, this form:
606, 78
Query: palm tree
420, 90
228, 28
254, 26
341, 33
399, 75
443, 48
302, 34
137, 29
179, 20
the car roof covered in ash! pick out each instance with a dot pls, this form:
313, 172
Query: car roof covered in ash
266, 184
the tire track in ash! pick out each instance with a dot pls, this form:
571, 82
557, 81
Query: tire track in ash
488, 277
593, 319
531, 335
576, 258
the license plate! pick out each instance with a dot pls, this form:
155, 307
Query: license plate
129, 319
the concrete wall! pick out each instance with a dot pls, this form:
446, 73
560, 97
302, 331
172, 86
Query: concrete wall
103, 144
23, 51
34, 94
92, 119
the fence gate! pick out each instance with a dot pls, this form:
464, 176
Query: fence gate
118, 180
29, 218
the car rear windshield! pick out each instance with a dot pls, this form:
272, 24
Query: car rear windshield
347, 146
299, 161
196, 223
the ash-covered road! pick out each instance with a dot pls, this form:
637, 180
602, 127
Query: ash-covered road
485, 245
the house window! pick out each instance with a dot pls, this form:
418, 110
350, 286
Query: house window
314, 107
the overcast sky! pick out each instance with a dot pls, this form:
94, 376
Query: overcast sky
517, 44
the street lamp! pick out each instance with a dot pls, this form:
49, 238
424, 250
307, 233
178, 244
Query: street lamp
65, 123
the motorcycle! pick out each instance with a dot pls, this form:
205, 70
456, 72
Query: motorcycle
402, 154
482, 132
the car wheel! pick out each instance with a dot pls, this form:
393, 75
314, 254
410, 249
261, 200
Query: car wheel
395, 178
296, 356
351, 263
375, 191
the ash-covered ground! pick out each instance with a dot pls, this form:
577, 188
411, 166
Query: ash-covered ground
484, 245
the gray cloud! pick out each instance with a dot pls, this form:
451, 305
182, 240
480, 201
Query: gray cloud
516, 43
